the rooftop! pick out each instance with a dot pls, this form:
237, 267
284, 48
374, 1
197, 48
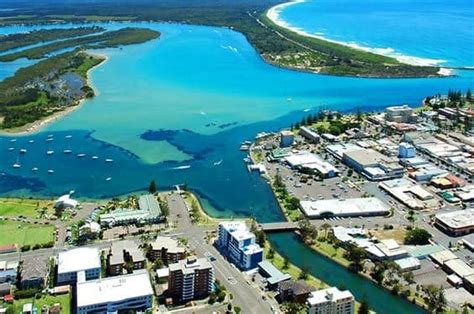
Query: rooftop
34, 267
275, 276
190, 264
329, 295
457, 219
170, 244
78, 259
114, 289
345, 207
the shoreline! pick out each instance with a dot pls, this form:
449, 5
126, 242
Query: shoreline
273, 14
39, 125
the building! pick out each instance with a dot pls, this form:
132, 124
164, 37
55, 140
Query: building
408, 263
124, 254
90, 230
167, 249
386, 250
373, 164
309, 162
149, 212
8, 271
132, 292
406, 150
331, 301
272, 275
238, 244
65, 201
34, 271
310, 135
410, 194
286, 138
9, 248
5, 289
83, 262
294, 291
354, 207
456, 223
27, 308
190, 279
400, 114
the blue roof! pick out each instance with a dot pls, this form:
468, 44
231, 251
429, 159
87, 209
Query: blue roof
275, 276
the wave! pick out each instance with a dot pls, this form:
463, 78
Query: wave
274, 15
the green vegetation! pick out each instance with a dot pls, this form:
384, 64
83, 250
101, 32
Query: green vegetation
40, 301
275, 44
25, 234
124, 36
23, 102
14, 207
417, 236
14, 41
289, 204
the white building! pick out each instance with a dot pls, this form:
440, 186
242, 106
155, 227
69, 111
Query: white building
109, 295
369, 206
65, 201
78, 263
238, 243
310, 161
310, 135
331, 301
400, 114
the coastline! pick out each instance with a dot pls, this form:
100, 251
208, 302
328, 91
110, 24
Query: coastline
39, 125
273, 14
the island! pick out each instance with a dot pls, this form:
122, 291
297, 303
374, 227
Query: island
39, 93
275, 44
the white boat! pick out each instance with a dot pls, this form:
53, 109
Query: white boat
11, 148
95, 157
68, 136
13, 140
67, 151
109, 160
34, 169
217, 163
182, 167
306, 110
108, 179
31, 141
15, 165
49, 139
23, 151
50, 135
50, 152
247, 160
51, 171
81, 155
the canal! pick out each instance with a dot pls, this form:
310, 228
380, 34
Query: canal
380, 300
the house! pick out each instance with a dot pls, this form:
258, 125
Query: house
34, 271
272, 275
124, 254
294, 291
81, 262
167, 249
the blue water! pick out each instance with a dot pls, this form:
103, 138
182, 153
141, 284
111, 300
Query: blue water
188, 98
429, 29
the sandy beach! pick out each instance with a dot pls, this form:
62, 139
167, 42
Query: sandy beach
42, 123
274, 15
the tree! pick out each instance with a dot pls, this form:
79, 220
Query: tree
271, 253
152, 187
307, 230
356, 255
260, 237
434, 297
293, 203
417, 236
325, 226
286, 262
304, 273
364, 305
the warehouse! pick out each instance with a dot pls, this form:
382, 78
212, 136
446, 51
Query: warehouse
457, 223
370, 206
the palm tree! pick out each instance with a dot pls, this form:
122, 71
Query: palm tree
325, 226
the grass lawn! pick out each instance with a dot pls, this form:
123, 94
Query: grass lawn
64, 300
329, 250
24, 233
13, 207
396, 234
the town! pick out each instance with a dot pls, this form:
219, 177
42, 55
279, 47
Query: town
387, 195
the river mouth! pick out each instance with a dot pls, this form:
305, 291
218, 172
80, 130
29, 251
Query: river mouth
171, 108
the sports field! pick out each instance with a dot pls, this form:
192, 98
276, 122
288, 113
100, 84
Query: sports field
22, 233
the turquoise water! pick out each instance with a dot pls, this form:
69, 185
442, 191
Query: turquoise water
429, 29
189, 99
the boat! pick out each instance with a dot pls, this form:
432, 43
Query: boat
34, 169
50, 152
49, 139
23, 151
31, 141
109, 160
217, 163
247, 160
67, 151
95, 157
51, 171
108, 179
244, 147
50, 135
16, 165
13, 140
306, 110
11, 148
81, 155
68, 136
182, 167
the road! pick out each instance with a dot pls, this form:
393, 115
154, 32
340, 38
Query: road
246, 297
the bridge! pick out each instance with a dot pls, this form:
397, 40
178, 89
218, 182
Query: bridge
279, 226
